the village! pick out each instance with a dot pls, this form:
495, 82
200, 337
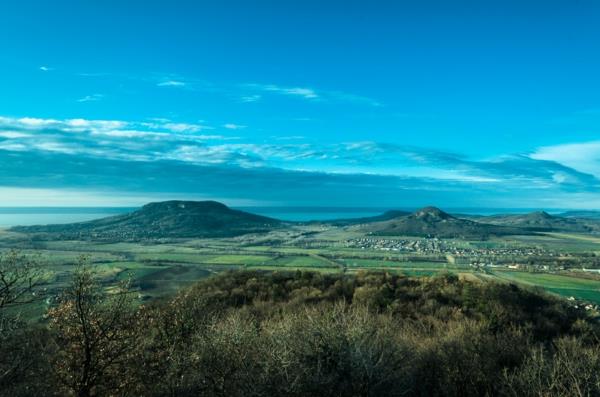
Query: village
445, 247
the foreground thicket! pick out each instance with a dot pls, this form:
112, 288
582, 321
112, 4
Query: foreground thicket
311, 334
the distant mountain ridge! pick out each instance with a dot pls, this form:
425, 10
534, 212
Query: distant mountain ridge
433, 222
163, 219
541, 221
205, 219
586, 214
387, 215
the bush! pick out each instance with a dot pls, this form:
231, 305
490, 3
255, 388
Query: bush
309, 334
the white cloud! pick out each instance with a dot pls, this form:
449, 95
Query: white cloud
34, 122
584, 157
306, 93
13, 147
172, 83
13, 134
185, 127
303, 92
312, 94
549, 167
91, 98
231, 126
160, 128
58, 147
98, 125
45, 68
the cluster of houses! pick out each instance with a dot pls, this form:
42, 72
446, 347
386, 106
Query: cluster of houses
437, 246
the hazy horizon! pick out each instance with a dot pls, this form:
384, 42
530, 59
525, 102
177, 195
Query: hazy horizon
24, 216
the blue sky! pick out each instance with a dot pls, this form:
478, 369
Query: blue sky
353, 103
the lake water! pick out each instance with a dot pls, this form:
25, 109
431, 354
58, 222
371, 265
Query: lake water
44, 215
13, 216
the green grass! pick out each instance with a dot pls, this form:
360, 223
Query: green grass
167, 281
175, 257
240, 259
301, 262
563, 285
552, 241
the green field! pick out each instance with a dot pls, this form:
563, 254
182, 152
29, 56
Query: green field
567, 286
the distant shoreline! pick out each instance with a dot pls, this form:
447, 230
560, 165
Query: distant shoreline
289, 209
26, 216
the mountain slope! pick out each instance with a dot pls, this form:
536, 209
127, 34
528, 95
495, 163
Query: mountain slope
433, 222
540, 221
391, 214
581, 214
163, 219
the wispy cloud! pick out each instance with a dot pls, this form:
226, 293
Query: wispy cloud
146, 145
172, 83
45, 68
250, 98
301, 92
584, 156
244, 92
306, 93
91, 98
185, 127
231, 126
312, 94
59, 175
115, 139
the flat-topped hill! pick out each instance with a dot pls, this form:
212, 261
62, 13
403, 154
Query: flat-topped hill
163, 219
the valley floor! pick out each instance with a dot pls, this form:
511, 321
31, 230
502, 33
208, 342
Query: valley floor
561, 264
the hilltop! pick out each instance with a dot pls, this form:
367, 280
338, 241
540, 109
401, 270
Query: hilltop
163, 219
433, 222
540, 221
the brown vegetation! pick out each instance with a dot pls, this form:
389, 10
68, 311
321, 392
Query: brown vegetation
311, 334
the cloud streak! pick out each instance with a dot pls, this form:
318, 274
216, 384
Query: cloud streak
307, 93
91, 98
161, 156
232, 126
172, 83
266, 186
584, 156
242, 92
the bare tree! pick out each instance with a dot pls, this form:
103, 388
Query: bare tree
20, 277
95, 335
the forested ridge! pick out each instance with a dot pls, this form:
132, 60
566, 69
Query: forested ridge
255, 333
